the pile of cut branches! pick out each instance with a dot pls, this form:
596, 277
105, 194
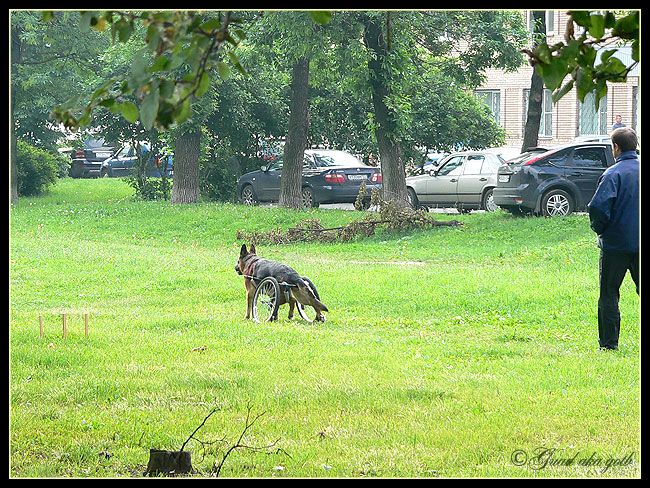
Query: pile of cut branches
390, 217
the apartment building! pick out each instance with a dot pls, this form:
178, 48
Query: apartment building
507, 96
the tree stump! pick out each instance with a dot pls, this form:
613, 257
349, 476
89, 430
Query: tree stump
168, 462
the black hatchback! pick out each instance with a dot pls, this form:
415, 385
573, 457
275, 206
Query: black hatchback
557, 182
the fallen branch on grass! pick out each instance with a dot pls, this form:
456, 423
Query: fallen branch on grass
390, 217
239, 445
180, 462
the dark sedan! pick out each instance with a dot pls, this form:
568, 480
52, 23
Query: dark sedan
328, 176
553, 183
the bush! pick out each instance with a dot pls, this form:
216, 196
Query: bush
64, 163
37, 169
146, 187
219, 171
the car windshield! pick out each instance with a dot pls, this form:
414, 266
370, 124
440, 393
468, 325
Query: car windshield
336, 158
125, 152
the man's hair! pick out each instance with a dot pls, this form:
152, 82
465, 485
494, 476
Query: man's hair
625, 138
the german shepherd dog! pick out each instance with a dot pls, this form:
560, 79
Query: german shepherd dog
255, 269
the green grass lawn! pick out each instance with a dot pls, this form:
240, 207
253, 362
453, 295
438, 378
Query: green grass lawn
444, 350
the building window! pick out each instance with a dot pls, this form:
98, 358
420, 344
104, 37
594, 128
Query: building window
592, 121
546, 119
491, 98
550, 22
635, 104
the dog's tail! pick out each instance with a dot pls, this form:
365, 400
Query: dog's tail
309, 287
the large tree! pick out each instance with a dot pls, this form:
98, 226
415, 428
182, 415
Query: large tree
536, 93
294, 40
296, 143
392, 165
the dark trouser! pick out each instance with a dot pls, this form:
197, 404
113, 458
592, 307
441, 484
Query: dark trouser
612, 269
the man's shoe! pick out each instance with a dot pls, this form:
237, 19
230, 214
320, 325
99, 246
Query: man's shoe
608, 348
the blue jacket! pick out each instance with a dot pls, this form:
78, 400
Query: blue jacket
614, 208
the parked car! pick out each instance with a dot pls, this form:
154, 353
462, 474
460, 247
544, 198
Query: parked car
123, 161
328, 176
557, 182
87, 161
464, 180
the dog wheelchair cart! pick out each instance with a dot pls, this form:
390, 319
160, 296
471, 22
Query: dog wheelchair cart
266, 301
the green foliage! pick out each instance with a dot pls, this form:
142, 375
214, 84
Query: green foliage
148, 187
362, 197
171, 70
52, 60
219, 169
38, 169
479, 39
321, 17
445, 118
427, 84
576, 55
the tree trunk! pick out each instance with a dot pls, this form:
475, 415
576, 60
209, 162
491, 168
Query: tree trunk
187, 149
15, 61
168, 462
536, 93
294, 148
392, 166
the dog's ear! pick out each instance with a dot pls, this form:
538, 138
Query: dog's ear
253, 251
243, 251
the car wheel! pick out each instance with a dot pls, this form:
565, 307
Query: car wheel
557, 203
248, 196
412, 198
104, 173
488, 201
308, 198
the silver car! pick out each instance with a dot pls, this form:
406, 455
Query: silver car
464, 180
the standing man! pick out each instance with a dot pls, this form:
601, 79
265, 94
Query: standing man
617, 122
614, 216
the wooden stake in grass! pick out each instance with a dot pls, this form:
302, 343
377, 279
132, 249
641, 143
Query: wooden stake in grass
65, 325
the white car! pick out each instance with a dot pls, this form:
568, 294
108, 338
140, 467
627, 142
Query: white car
464, 180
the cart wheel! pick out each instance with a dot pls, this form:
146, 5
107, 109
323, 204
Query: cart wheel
266, 300
308, 316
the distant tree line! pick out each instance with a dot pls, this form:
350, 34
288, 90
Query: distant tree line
217, 87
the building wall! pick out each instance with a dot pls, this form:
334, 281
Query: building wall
511, 86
